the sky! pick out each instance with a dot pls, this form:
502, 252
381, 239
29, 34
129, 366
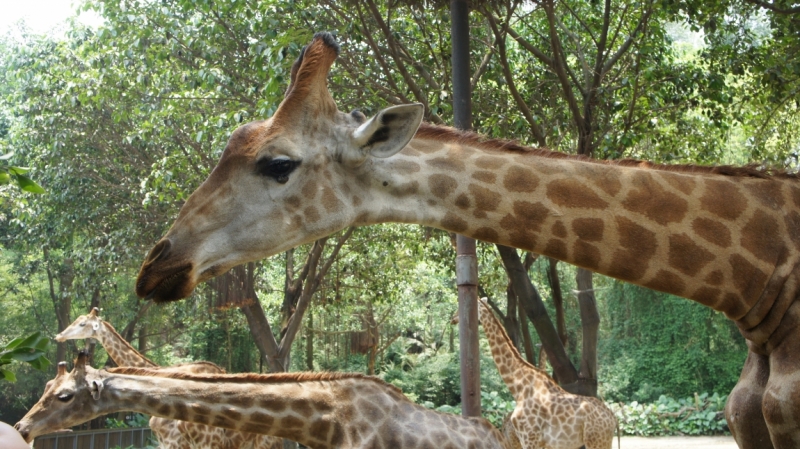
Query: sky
41, 16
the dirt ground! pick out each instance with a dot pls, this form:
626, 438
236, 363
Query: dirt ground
677, 443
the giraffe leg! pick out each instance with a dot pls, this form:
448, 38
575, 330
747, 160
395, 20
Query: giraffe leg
781, 403
743, 409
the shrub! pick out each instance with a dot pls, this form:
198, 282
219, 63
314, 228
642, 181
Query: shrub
698, 415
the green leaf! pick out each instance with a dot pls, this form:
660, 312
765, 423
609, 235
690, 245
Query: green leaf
25, 183
6, 156
8, 375
5, 178
19, 170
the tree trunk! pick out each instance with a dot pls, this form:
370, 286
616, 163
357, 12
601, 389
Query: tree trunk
590, 323
62, 299
558, 300
310, 342
526, 334
530, 300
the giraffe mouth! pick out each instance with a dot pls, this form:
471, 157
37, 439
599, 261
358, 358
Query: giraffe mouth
172, 287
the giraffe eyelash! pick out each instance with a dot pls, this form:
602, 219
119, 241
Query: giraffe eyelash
280, 169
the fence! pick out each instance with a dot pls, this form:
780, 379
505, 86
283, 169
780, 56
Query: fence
96, 439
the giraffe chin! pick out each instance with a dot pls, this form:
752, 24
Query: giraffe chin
175, 286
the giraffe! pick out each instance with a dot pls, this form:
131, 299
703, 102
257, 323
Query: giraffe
546, 416
171, 434
726, 237
319, 410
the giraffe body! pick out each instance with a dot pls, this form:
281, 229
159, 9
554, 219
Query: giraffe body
171, 434
319, 410
545, 415
727, 238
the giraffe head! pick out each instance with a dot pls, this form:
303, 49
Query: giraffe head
86, 326
279, 183
68, 400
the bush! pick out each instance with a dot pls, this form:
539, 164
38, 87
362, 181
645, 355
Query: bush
698, 415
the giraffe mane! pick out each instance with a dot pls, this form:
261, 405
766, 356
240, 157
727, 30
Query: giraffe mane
471, 138
126, 343
322, 376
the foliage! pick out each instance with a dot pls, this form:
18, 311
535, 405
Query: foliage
132, 420
30, 349
698, 415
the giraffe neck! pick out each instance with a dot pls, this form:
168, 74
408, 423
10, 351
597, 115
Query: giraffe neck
514, 370
320, 410
120, 350
725, 241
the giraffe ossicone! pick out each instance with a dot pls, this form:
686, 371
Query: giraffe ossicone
728, 238
319, 410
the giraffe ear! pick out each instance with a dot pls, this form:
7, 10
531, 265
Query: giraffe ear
389, 130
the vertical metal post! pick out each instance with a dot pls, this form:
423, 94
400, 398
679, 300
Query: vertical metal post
466, 259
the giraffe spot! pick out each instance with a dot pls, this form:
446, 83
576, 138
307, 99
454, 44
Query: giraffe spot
527, 217
452, 222
666, 281
747, 278
164, 409
686, 184
303, 407
520, 179
406, 166
200, 409
462, 201
792, 220
556, 248
723, 199
356, 200
223, 421
522, 240
733, 306
571, 193
485, 176
442, 185
686, 256
589, 229
291, 423
276, 405
201, 419
492, 162
558, 229
309, 190
638, 245
712, 231
311, 214
447, 164
150, 401
337, 438
485, 199
762, 237
233, 414
636, 238
714, 278
180, 410
261, 419
293, 202
479, 214
649, 198
768, 191
708, 296
409, 188
330, 201
585, 255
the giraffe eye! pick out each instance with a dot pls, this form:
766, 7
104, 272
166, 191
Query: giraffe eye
66, 397
276, 168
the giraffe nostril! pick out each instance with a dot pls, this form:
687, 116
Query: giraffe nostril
160, 251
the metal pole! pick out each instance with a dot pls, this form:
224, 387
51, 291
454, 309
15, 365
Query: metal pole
466, 260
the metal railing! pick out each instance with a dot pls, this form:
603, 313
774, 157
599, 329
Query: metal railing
139, 437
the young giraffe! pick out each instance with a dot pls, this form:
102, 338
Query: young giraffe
319, 410
727, 238
171, 434
546, 416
